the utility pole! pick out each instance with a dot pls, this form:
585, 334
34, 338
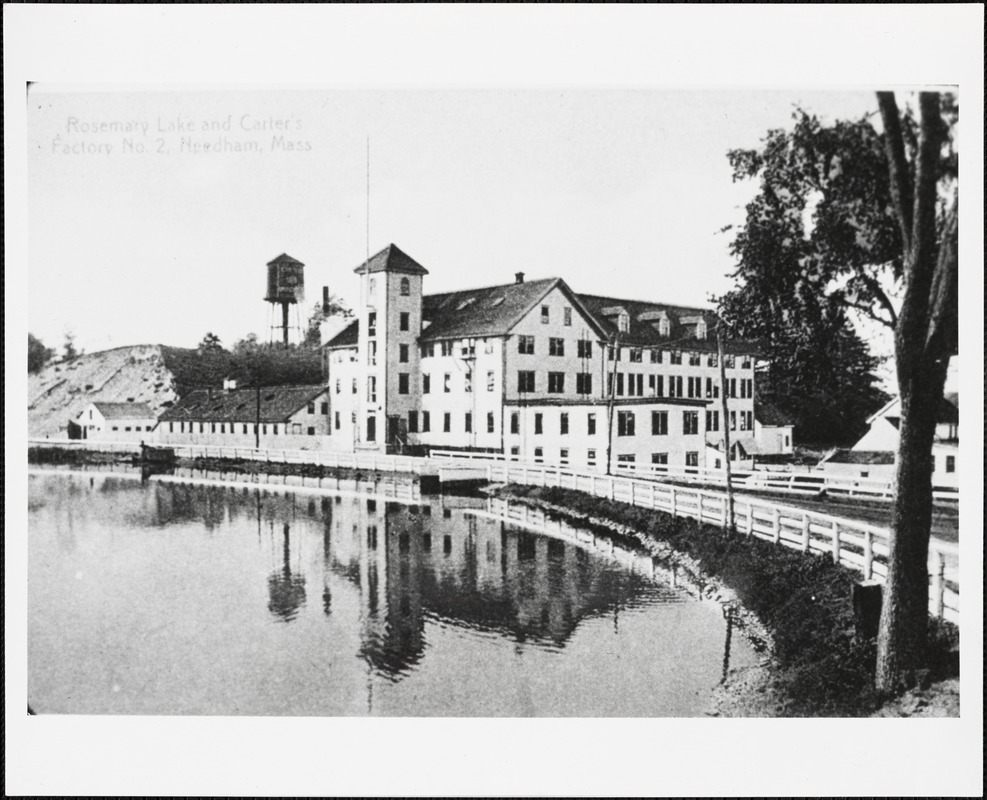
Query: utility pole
257, 425
613, 388
729, 521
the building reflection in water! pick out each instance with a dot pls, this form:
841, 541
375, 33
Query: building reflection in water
285, 588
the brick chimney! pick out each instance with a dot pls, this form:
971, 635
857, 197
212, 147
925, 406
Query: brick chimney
518, 277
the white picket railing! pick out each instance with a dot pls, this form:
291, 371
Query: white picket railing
796, 483
857, 545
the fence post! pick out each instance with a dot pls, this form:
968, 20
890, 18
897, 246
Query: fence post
632, 491
805, 532
868, 555
652, 489
723, 509
836, 542
611, 488
776, 524
671, 490
939, 585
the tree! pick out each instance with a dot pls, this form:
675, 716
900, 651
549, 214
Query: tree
37, 354
210, 344
332, 306
852, 220
69, 347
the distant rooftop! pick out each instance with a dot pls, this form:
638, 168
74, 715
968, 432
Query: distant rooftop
124, 410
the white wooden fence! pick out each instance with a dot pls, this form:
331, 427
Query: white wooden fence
795, 483
857, 545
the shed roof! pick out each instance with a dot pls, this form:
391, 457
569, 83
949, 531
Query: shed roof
347, 337
124, 410
284, 258
862, 457
277, 404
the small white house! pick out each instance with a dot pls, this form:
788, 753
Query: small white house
773, 429
116, 422
873, 456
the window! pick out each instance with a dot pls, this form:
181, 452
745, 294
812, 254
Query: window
212, 428
563, 423
623, 322
625, 423
620, 383
339, 386
372, 389
591, 424
469, 422
402, 383
690, 422
468, 348
950, 463
544, 315
567, 316
445, 348
405, 287
729, 362
412, 422
695, 360
610, 352
488, 346
264, 428
745, 362
515, 422
372, 353
564, 455
692, 459
636, 355
584, 348
372, 323
659, 385
584, 383
538, 423
311, 431
526, 345
515, 451
525, 381
675, 357
675, 386
404, 321
117, 427
556, 382
712, 360
712, 420
656, 356
371, 428
733, 420
171, 427
626, 458
490, 422
743, 420
446, 422
426, 383
695, 387
428, 350
447, 383
202, 427
403, 353
222, 427
274, 430
491, 380
325, 409
591, 457
659, 458
659, 423
539, 453
354, 386
468, 382
556, 347
372, 285
426, 422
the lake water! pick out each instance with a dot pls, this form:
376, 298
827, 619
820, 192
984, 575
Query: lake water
172, 596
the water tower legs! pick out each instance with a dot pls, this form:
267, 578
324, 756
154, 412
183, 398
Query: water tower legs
284, 323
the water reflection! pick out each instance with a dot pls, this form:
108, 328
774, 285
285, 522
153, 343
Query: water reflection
400, 583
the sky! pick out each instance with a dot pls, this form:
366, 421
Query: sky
137, 234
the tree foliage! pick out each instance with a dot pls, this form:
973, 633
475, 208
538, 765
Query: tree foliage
210, 344
333, 307
37, 354
850, 219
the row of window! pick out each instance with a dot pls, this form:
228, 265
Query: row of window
404, 322
632, 385
691, 457
556, 346
295, 428
128, 428
635, 355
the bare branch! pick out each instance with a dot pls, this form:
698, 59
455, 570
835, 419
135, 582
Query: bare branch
882, 298
901, 188
868, 310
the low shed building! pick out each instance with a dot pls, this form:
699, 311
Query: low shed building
114, 422
277, 417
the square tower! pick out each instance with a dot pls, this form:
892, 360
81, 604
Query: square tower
390, 322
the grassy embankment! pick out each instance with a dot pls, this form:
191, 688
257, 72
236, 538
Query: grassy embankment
821, 666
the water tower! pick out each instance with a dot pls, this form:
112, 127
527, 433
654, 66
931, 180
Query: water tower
285, 287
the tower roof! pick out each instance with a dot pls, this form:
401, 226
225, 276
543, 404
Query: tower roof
391, 259
284, 258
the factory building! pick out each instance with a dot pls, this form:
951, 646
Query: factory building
534, 370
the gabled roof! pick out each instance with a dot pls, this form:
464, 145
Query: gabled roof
124, 410
391, 259
277, 404
947, 413
491, 310
284, 258
347, 337
862, 457
767, 413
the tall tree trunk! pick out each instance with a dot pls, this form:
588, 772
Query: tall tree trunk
905, 611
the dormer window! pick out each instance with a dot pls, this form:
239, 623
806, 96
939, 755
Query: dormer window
468, 301
663, 327
496, 302
623, 322
700, 330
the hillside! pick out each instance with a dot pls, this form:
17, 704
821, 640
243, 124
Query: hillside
153, 374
